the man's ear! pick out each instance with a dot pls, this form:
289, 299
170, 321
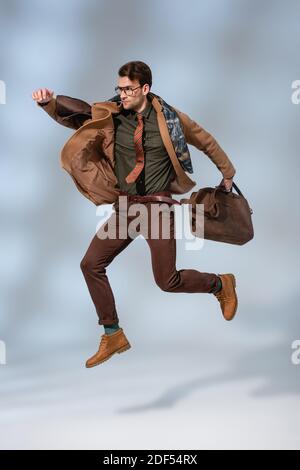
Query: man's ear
148, 88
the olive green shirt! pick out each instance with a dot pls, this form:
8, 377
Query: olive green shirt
158, 170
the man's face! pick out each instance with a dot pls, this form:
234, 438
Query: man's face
139, 94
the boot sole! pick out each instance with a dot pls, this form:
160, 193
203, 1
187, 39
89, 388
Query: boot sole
119, 351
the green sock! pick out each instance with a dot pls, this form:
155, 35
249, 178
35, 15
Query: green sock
110, 329
218, 286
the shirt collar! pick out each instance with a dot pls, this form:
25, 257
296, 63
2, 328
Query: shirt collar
147, 109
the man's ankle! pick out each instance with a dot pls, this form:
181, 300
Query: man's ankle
110, 329
217, 287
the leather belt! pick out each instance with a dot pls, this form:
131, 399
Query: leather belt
162, 196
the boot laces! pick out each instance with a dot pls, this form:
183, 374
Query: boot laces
104, 339
221, 296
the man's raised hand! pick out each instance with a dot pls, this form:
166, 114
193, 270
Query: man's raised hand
42, 95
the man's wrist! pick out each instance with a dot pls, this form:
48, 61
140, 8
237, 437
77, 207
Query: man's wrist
43, 103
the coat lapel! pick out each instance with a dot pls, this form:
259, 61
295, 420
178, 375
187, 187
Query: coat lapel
183, 177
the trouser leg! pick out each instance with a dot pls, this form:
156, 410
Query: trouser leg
98, 256
163, 258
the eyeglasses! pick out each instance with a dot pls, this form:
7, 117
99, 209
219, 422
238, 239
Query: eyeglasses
127, 89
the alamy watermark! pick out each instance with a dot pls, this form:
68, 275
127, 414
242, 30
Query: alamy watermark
295, 97
2, 353
155, 221
295, 357
2, 92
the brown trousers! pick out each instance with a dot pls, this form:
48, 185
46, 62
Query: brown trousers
101, 253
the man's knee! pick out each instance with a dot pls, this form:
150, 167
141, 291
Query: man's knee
84, 264
87, 264
167, 285
95, 262
164, 287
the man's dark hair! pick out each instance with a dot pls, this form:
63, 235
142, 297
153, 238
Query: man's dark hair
137, 70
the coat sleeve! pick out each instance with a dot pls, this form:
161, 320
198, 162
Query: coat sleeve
204, 141
67, 111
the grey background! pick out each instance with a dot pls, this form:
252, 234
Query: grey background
190, 380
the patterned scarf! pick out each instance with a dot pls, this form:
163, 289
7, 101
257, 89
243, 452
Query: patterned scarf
175, 132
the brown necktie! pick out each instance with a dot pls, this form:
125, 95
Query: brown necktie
139, 152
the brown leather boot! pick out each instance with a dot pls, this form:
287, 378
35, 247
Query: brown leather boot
109, 345
227, 296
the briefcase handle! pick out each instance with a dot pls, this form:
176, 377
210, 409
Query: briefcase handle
233, 186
